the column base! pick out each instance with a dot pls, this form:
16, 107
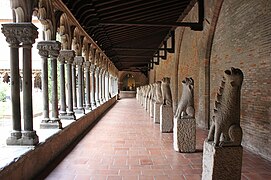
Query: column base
93, 105
97, 103
68, 115
79, 111
184, 135
88, 107
14, 138
156, 113
28, 138
51, 124
166, 119
221, 162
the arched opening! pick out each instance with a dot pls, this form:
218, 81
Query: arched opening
128, 83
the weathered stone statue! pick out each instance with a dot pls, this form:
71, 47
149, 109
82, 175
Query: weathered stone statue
225, 129
158, 92
186, 104
184, 131
166, 92
166, 110
222, 150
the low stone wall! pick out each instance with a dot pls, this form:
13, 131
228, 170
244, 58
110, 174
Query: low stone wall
34, 161
127, 94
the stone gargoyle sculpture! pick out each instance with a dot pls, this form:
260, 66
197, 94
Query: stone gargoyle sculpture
185, 107
166, 92
158, 92
225, 129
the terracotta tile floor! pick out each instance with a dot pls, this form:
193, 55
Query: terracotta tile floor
126, 144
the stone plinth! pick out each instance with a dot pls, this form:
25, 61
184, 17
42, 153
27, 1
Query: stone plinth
166, 119
156, 118
184, 135
223, 163
151, 108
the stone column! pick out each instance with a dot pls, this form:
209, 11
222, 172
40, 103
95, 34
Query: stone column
66, 56
11, 33
29, 136
101, 86
62, 112
109, 86
74, 92
97, 89
44, 47
92, 73
24, 33
87, 66
70, 59
106, 86
79, 60
55, 121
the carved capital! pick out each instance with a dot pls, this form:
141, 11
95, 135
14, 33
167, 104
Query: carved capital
87, 64
66, 56
49, 48
92, 68
16, 33
78, 60
97, 69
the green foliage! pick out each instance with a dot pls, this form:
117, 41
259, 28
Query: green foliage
4, 89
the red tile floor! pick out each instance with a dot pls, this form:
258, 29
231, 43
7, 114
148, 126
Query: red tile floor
126, 144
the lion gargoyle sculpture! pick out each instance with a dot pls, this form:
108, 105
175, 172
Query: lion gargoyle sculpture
225, 129
166, 92
185, 107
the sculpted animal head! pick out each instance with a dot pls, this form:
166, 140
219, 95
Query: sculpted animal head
234, 77
188, 83
166, 80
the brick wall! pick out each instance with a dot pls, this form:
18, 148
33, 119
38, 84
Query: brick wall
243, 39
236, 33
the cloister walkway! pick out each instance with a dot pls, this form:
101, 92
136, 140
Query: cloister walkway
126, 144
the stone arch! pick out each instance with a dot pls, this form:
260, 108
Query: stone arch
46, 17
85, 49
22, 10
140, 78
64, 30
77, 41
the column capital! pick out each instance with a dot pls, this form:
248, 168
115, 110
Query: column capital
49, 48
17, 33
97, 69
87, 64
66, 56
78, 60
92, 68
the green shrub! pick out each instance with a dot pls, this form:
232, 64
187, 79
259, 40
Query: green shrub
4, 89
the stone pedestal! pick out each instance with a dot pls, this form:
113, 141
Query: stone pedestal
151, 108
223, 163
166, 119
156, 113
184, 135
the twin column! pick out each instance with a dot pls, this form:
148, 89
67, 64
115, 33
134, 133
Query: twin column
24, 34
